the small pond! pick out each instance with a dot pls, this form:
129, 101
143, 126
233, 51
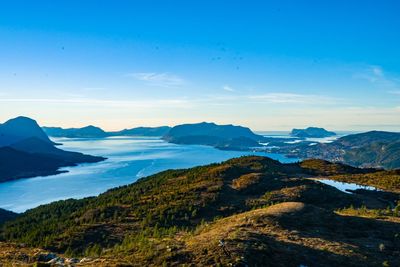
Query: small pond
346, 186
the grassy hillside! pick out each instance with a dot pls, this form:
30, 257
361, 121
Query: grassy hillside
180, 216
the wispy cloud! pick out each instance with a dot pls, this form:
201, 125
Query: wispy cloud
377, 76
158, 79
93, 89
145, 103
291, 98
228, 88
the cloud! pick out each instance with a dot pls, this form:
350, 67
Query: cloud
372, 74
290, 98
145, 103
377, 71
158, 79
377, 76
93, 89
228, 88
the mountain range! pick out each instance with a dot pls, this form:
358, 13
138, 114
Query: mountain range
96, 132
227, 137
26, 151
371, 149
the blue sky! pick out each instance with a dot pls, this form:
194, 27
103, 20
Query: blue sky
269, 65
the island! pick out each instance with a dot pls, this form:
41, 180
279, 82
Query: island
311, 132
229, 137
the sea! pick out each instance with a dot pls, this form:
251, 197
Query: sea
128, 159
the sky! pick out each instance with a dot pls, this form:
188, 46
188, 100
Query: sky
267, 65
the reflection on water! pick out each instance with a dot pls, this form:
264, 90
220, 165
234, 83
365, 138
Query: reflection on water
129, 158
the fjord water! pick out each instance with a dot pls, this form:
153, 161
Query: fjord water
129, 158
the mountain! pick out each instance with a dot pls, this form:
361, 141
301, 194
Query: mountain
85, 132
311, 132
211, 134
242, 212
26, 151
20, 128
143, 131
376, 149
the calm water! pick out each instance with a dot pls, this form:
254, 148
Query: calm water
129, 158
346, 186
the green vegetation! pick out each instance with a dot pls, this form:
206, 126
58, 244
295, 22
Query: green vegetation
371, 213
180, 216
388, 180
323, 167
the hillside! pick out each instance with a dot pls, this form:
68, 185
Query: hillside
36, 146
180, 216
374, 149
16, 164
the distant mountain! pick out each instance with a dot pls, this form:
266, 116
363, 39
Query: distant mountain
6, 215
370, 149
26, 151
85, 132
211, 134
143, 131
311, 132
21, 128
96, 132
362, 139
